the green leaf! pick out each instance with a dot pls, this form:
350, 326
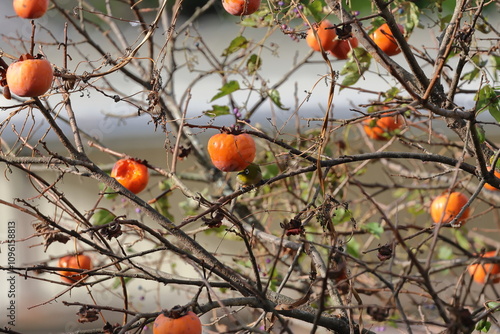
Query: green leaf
399, 193
228, 88
162, 205
495, 64
264, 17
488, 99
486, 327
469, 76
376, 23
270, 171
374, 228
108, 192
236, 44
102, 217
341, 215
358, 63
249, 22
483, 325
220, 231
165, 185
391, 93
117, 282
353, 248
253, 63
349, 67
350, 79
481, 134
445, 253
461, 238
492, 305
315, 8
444, 21
412, 16
217, 111
416, 210
474, 74
275, 97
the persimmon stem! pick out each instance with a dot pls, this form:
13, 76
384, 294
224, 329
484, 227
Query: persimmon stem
33, 30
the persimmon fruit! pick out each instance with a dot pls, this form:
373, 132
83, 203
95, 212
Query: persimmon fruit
446, 207
325, 36
29, 77
479, 272
490, 187
175, 323
231, 152
131, 174
385, 40
383, 127
341, 47
241, 7
80, 261
30, 9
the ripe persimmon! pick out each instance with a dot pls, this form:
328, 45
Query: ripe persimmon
325, 36
131, 174
74, 262
383, 127
29, 77
30, 9
241, 7
490, 187
177, 321
385, 40
446, 207
341, 48
479, 272
231, 152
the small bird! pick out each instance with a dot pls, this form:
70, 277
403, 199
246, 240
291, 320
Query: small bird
250, 176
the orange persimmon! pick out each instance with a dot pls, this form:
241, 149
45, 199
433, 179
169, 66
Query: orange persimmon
74, 262
177, 321
230, 152
29, 77
30, 9
341, 47
383, 127
326, 35
131, 174
385, 40
479, 272
446, 207
490, 187
241, 7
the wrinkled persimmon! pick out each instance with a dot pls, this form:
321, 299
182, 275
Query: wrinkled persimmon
385, 40
241, 7
480, 271
446, 207
231, 152
30, 9
131, 174
74, 262
382, 128
29, 77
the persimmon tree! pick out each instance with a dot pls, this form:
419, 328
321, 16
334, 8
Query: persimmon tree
336, 232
